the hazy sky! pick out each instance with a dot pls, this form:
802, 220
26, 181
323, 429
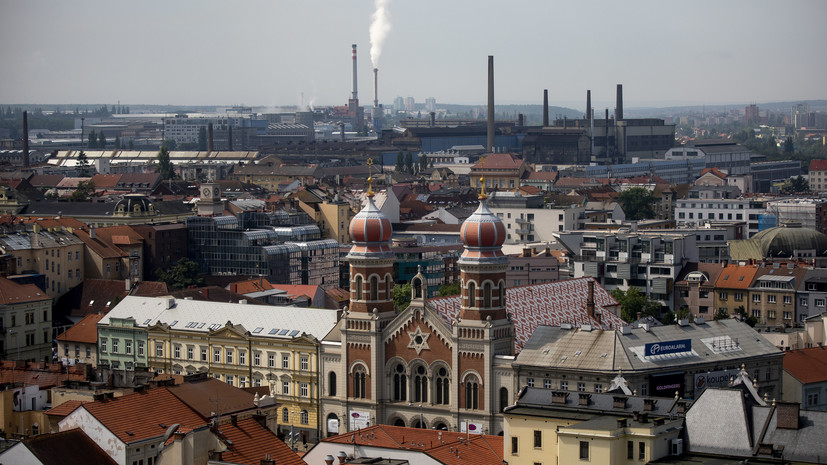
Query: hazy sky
269, 52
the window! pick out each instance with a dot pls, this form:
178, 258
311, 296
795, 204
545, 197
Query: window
514, 445
630, 450
304, 417
641, 455
788, 299
127, 346
140, 348
819, 302
584, 450
788, 315
303, 389
331, 384
581, 387
420, 384
159, 349
304, 362
285, 415
228, 358
358, 286
564, 385
756, 298
538, 439
216, 355
257, 358
399, 382
547, 383
203, 354
271, 360
359, 376
812, 399
598, 388
285, 388
530, 382
176, 350
443, 386
771, 298
723, 295
472, 295
230, 379
114, 346
285, 360
242, 357
739, 296
771, 314
472, 389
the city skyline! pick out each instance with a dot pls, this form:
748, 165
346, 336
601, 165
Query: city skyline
277, 53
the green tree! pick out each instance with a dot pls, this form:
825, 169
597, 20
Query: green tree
400, 162
449, 289
422, 161
408, 163
202, 138
638, 203
182, 275
93, 140
789, 146
83, 166
796, 185
401, 296
101, 140
117, 143
721, 314
82, 193
633, 302
165, 167
170, 144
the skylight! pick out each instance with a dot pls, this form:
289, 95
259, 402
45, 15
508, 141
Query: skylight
258, 330
274, 331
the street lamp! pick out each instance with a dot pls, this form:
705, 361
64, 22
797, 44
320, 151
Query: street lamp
292, 437
421, 420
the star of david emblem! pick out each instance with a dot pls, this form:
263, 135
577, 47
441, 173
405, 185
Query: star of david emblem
419, 340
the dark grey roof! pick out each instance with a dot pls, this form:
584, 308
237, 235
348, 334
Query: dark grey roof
536, 400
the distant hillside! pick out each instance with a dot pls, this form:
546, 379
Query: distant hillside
815, 105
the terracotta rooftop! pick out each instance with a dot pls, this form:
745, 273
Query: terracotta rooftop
736, 277
105, 181
548, 304
807, 365
714, 171
150, 289
67, 448
143, 415
85, 330
12, 293
65, 408
200, 396
250, 285
40, 374
499, 161
815, 165
249, 443
443, 446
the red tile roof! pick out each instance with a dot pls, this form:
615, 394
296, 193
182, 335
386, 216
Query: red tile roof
12, 293
143, 415
815, 165
45, 180
150, 289
200, 396
67, 448
545, 304
85, 330
446, 447
734, 276
99, 296
250, 286
543, 175
499, 161
65, 408
38, 373
249, 443
807, 365
714, 171
105, 181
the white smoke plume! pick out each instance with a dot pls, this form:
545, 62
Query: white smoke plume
380, 26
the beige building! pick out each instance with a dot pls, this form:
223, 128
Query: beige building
333, 217
79, 344
240, 344
25, 322
53, 252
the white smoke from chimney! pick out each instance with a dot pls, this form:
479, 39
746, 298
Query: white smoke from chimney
380, 26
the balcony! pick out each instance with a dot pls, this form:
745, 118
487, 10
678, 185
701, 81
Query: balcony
522, 221
523, 231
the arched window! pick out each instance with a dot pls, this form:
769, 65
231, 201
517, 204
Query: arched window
417, 288
443, 387
374, 288
359, 377
472, 393
502, 294
305, 417
399, 422
400, 383
472, 294
503, 398
358, 286
420, 385
285, 415
486, 295
331, 383
388, 287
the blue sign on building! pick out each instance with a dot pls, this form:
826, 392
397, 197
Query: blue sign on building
668, 347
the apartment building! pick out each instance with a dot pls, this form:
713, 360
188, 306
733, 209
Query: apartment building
697, 212
772, 294
732, 289
527, 219
243, 345
25, 322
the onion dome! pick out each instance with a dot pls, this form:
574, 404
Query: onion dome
482, 234
370, 230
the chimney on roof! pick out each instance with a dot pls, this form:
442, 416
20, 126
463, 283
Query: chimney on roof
590, 299
234, 420
209, 138
329, 460
25, 139
267, 460
545, 107
787, 416
92, 233
342, 456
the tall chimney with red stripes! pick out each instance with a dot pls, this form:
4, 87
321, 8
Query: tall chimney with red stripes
490, 140
25, 139
355, 92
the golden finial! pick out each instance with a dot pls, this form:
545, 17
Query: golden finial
482, 179
370, 177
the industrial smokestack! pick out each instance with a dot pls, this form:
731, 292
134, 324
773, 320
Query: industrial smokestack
619, 108
230, 138
375, 88
588, 105
355, 93
545, 107
25, 139
490, 103
209, 138
520, 120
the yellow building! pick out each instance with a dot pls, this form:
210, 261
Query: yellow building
240, 344
503, 171
551, 427
333, 217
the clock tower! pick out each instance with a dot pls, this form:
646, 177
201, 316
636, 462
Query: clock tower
210, 203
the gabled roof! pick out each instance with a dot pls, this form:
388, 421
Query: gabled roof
736, 277
200, 395
713, 171
815, 165
249, 442
46, 180
545, 304
499, 161
142, 415
94, 296
65, 408
85, 330
543, 176
67, 448
105, 181
807, 365
12, 293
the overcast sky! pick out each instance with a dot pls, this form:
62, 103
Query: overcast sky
270, 52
